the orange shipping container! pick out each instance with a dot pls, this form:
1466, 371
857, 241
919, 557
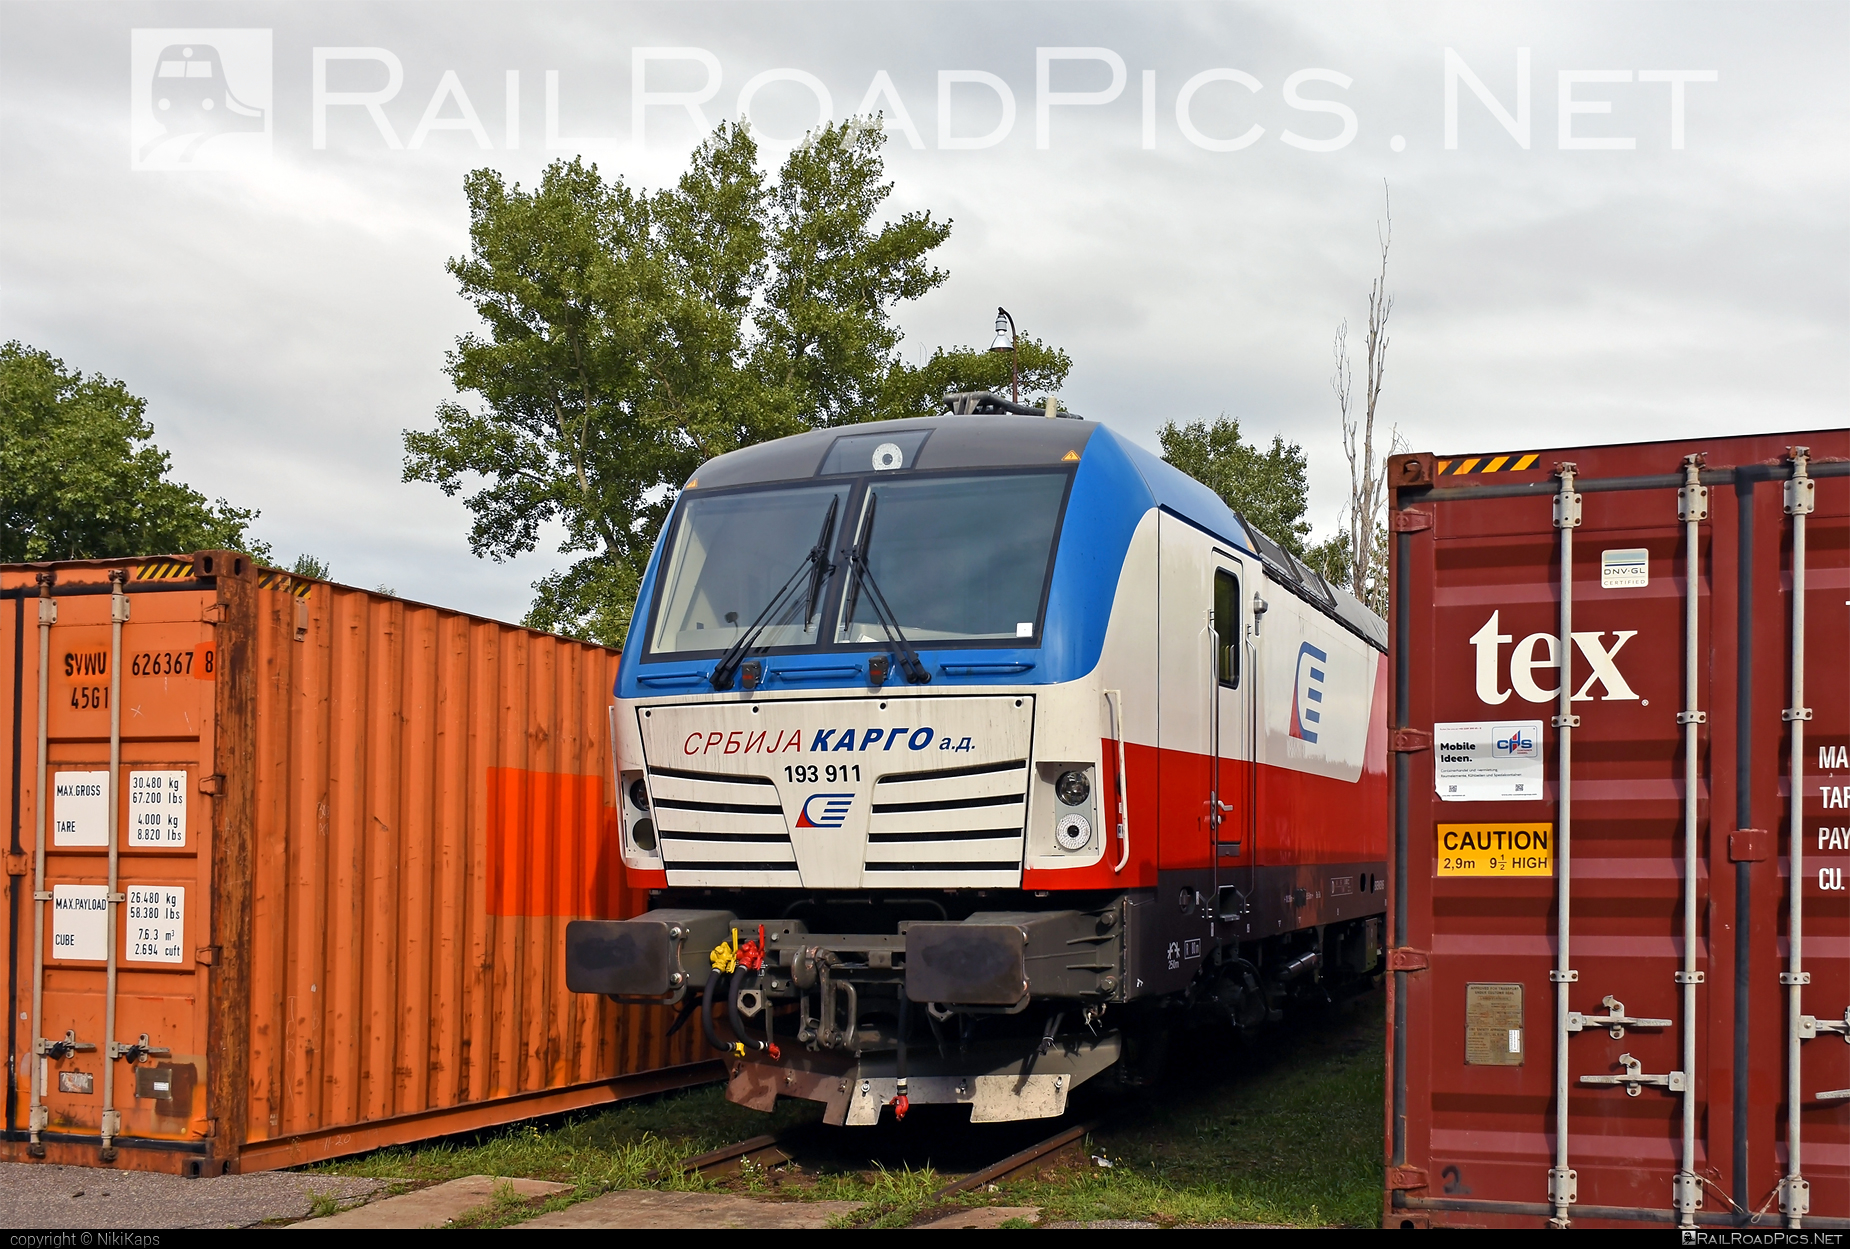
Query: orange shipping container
302, 883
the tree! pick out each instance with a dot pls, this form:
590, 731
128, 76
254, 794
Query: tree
1362, 547
81, 478
631, 335
309, 566
1269, 488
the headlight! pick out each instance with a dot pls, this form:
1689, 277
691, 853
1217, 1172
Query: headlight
642, 832
639, 795
1073, 788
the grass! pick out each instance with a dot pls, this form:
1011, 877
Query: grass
1282, 1131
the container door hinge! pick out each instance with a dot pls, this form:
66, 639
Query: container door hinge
1634, 1079
206, 955
301, 619
1615, 1020
18, 864
214, 614
1794, 1196
1688, 1191
1406, 958
213, 784
1411, 521
1408, 741
1563, 1186
1405, 1177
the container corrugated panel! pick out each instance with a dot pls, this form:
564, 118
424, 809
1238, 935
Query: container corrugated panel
1671, 1063
349, 831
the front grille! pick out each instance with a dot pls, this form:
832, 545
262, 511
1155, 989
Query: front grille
957, 827
721, 829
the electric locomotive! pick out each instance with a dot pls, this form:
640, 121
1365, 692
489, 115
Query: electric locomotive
966, 757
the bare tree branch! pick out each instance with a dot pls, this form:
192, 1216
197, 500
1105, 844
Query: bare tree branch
1367, 470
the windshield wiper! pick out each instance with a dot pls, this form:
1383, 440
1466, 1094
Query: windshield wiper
817, 565
859, 574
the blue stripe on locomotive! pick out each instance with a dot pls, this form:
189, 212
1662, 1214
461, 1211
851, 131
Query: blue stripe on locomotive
1116, 484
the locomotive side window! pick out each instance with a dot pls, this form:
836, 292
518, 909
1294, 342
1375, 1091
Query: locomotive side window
1227, 628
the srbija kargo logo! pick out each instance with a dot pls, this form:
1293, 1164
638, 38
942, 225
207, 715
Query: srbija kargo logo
199, 99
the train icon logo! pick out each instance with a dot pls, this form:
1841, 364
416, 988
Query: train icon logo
1307, 696
199, 98
825, 811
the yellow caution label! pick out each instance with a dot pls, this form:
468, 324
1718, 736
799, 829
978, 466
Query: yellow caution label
1516, 848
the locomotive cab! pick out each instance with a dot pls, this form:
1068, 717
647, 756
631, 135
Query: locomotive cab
960, 755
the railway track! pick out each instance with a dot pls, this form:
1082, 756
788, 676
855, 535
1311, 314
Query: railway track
801, 1143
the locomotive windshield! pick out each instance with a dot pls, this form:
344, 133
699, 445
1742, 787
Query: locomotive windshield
958, 558
731, 555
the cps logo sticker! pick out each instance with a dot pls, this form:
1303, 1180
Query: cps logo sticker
825, 810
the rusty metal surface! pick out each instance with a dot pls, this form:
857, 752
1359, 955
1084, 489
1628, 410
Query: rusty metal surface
1471, 1143
390, 811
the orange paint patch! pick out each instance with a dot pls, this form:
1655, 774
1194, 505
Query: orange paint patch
552, 845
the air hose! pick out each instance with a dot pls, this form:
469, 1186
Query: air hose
706, 1016
902, 1103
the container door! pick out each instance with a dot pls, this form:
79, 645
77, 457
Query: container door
112, 995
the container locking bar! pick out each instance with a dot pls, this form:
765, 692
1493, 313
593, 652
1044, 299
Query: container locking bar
1794, 1192
40, 1114
1615, 1020
1692, 510
1634, 1079
1561, 1180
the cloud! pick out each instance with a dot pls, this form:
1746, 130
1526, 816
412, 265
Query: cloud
287, 321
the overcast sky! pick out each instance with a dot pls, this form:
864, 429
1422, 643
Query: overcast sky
1559, 277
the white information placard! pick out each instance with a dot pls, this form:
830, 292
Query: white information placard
157, 809
1488, 761
156, 924
80, 808
80, 921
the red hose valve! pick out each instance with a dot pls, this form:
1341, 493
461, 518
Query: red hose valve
901, 1105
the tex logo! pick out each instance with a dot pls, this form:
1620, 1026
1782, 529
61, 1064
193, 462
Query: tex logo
1307, 693
825, 811
199, 98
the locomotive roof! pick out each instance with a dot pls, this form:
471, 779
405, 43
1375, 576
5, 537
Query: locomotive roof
956, 442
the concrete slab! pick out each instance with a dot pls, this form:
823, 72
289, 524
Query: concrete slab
642, 1208
48, 1195
981, 1216
433, 1206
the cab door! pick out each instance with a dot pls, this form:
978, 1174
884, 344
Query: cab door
1233, 793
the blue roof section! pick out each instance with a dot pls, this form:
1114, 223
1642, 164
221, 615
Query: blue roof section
1175, 491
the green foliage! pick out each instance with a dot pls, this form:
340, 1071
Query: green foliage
80, 477
309, 566
1269, 488
631, 335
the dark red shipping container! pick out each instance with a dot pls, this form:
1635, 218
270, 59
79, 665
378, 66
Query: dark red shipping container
1620, 723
